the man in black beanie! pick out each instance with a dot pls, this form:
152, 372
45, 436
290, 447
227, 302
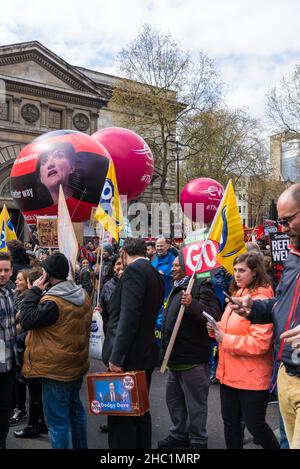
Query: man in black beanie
57, 313
107, 257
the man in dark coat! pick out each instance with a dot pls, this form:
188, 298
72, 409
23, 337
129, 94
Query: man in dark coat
188, 376
130, 340
111, 395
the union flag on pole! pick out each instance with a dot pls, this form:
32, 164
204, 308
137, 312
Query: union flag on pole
7, 229
227, 230
109, 211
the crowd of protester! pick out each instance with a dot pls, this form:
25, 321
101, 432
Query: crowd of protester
45, 327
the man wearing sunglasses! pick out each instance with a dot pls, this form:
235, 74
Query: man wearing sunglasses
284, 311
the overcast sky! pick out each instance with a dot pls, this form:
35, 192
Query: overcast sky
253, 42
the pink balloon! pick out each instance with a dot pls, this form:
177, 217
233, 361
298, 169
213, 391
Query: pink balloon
132, 158
202, 191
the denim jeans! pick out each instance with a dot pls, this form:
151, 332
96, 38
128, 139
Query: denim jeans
64, 414
284, 444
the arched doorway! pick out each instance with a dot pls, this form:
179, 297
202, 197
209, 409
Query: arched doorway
8, 155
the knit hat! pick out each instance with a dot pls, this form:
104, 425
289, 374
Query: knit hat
56, 265
108, 248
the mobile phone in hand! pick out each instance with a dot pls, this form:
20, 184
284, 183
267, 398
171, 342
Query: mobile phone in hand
211, 320
231, 299
47, 278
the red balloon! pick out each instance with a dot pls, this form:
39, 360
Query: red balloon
132, 158
72, 159
202, 191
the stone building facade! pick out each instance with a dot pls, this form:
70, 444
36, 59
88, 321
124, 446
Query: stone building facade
40, 92
285, 157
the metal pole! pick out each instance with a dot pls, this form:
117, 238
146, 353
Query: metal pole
177, 168
101, 263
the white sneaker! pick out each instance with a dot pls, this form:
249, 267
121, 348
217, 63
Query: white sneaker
18, 417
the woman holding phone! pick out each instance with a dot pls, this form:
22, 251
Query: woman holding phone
245, 360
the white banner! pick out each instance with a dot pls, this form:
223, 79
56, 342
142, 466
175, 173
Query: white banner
67, 241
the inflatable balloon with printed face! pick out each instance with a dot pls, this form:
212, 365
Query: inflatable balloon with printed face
71, 159
132, 158
205, 191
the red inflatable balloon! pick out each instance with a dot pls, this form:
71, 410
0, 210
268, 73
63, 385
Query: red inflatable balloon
72, 159
204, 191
132, 158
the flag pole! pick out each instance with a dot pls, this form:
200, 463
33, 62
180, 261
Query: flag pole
188, 290
19, 218
101, 262
94, 277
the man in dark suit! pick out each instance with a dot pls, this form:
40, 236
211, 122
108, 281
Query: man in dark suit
130, 339
112, 395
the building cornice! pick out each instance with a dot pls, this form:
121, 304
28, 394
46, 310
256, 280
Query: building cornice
53, 94
36, 52
20, 57
17, 129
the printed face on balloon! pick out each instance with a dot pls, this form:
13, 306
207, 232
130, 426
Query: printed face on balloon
55, 169
67, 158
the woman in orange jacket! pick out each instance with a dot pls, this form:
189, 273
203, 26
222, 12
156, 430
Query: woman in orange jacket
245, 360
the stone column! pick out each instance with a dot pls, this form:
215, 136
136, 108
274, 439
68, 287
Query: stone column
44, 115
94, 121
69, 114
16, 110
275, 156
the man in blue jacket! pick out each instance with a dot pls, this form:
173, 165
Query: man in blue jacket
284, 311
163, 262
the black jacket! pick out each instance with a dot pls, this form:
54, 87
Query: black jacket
192, 344
130, 338
37, 315
107, 292
86, 281
118, 397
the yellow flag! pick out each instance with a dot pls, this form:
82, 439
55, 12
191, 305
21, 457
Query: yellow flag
7, 229
227, 230
109, 211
